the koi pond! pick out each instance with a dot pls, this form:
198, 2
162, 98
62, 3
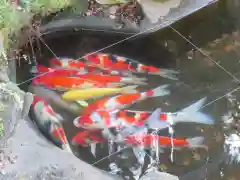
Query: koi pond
177, 119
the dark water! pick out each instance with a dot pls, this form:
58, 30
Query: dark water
217, 36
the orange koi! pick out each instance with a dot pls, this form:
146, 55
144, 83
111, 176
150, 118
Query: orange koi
86, 137
39, 69
113, 78
64, 82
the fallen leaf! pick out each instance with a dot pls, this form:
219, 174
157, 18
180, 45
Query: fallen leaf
228, 48
163, 167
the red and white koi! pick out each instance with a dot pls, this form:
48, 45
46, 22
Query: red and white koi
141, 140
81, 66
148, 140
118, 63
118, 102
49, 122
155, 119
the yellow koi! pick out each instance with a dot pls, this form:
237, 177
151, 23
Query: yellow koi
83, 94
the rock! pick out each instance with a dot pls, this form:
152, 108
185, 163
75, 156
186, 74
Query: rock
42, 160
153, 175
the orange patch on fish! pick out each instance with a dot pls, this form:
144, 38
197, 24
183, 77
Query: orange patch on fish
60, 134
128, 98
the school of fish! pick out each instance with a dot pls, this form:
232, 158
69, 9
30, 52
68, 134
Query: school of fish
99, 90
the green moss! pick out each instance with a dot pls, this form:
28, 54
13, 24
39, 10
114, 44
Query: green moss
13, 20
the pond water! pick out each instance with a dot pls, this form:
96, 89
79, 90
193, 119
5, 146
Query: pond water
211, 71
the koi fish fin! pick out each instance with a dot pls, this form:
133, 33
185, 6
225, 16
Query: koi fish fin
195, 107
67, 148
115, 85
129, 90
33, 70
80, 139
154, 122
82, 103
129, 131
161, 91
196, 142
93, 149
134, 80
139, 154
194, 117
191, 114
166, 73
59, 137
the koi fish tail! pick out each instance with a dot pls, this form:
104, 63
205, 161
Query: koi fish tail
134, 80
112, 85
129, 90
153, 121
196, 142
197, 117
34, 70
67, 147
161, 91
167, 73
59, 132
191, 114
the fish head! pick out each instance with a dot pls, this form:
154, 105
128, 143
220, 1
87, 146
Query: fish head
80, 139
83, 121
44, 112
90, 121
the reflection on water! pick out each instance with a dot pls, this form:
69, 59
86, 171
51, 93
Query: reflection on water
200, 77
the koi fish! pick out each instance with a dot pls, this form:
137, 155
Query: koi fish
53, 98
67, 63
124, 100
153, 120
84, 94
142, 139
148, 140
49, 122
84, 138
86, 67
86, 75
113, 78
118, 63
88, 138
64, 82
39, 69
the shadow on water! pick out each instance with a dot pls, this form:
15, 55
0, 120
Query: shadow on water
215, 34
